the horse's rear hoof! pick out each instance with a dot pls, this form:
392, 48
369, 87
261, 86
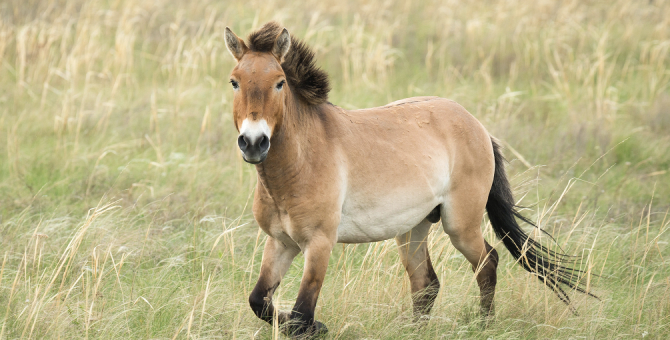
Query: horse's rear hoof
421, 320
487, 320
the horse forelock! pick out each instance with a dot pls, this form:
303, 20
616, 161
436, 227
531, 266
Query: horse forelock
309, 82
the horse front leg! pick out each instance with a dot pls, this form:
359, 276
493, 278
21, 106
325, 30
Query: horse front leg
277, 259
317, 252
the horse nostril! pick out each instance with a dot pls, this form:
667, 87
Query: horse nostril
242, 143
264, 144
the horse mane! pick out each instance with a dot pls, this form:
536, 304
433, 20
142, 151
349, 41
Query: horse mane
306, 80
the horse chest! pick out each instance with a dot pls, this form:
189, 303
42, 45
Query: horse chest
287, 219
284, 230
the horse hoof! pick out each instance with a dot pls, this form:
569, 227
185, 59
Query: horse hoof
317, 329
421, 320
487, 320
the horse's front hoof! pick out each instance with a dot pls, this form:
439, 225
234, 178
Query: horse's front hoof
316, 330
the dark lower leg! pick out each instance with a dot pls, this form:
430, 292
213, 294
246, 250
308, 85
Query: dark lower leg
302, 320
302, 316
487, 279
425, 287
413, 251
276, 261
260, 301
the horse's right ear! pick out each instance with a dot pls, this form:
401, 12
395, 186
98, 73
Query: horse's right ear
235, 45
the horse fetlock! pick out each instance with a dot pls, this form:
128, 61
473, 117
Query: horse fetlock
487, 301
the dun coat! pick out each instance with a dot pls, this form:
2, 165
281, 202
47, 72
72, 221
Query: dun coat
329, 175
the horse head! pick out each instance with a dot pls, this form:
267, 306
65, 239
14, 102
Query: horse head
260, 92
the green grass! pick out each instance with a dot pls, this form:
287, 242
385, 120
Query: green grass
125, 208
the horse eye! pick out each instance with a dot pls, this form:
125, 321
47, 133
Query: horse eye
281, 84
235, 84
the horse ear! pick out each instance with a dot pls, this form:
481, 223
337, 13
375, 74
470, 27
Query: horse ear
282, 45
235, 45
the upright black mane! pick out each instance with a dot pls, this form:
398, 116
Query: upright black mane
306, 80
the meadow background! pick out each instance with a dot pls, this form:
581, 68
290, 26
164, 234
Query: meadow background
125, 205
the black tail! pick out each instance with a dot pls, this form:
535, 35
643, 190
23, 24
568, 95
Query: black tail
556, 270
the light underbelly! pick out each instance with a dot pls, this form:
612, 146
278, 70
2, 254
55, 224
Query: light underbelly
384, 218
403, 187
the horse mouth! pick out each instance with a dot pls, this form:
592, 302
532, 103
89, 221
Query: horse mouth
255, 160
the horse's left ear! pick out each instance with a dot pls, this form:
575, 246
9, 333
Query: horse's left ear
282, 45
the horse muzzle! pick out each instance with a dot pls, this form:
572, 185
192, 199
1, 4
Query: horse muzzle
254, 148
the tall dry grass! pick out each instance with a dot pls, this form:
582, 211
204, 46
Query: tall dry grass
125, 207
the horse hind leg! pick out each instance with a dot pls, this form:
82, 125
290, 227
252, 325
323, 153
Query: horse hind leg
462, 224
414, 255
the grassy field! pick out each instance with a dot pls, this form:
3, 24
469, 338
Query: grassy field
125, 205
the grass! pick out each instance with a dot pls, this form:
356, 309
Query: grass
125, 206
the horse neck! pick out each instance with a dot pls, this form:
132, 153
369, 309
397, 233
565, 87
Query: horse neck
289, 149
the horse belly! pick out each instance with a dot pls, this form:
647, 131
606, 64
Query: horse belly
370, 220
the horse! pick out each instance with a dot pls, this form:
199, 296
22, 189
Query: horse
327, 175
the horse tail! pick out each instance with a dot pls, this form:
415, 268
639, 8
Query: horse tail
554, 269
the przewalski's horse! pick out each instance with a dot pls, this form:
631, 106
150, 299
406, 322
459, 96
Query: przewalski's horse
329, 175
